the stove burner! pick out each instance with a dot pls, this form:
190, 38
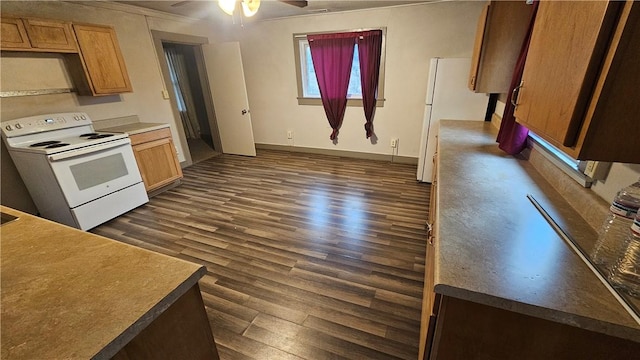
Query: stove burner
89, 134
56, 145
45, 143
99, 136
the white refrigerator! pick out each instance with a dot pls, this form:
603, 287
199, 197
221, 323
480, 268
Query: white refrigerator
448, 98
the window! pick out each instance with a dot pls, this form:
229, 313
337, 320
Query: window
570, 166
310, 82
308, 91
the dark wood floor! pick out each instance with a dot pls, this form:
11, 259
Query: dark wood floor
308, 256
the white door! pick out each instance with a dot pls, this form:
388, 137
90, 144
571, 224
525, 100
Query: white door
226, 80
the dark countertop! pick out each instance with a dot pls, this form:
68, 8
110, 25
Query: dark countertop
495, 248
72, 294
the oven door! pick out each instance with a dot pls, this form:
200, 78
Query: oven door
92, 172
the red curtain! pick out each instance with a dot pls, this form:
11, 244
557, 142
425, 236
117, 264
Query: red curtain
369, 51
512, 137
332, 56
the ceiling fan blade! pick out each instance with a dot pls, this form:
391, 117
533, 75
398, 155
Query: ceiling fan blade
299, 4
180, 3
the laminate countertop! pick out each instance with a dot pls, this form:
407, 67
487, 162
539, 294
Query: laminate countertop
495, 248
133, 128
72, 294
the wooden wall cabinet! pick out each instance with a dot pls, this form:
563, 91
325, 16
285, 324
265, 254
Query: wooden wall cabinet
501, 30
93, 55
580, 77
100, 59
38, 35
13, 35
156, 157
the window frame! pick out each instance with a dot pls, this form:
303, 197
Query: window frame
571, 167
302, 100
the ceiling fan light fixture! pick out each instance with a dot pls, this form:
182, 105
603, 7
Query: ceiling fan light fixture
227, 6
250, 7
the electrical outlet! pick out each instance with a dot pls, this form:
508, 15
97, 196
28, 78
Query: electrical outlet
597, 170
289, 134
394, 143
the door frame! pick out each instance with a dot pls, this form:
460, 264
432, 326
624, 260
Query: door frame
196, 41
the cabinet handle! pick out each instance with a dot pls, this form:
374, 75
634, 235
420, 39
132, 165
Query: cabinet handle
515, 94
473, 81
429, 233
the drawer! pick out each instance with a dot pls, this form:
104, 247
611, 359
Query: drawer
150, 136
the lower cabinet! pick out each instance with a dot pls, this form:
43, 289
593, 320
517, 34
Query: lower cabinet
469, 330
430, 300
181, 332
430, 306
454, 328
156, 157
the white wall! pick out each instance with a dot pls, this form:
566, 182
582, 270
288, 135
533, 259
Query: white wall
22, 71
620, 176
415, 34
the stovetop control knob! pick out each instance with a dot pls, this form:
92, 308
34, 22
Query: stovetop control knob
9, 127
18, 126
83, 117
77, 118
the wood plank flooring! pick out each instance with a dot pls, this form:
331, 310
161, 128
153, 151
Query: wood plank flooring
308, 256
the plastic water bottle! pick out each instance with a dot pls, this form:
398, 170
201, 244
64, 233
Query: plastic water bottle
615, 228
625, 274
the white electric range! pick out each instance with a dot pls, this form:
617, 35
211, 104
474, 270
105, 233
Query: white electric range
75, 175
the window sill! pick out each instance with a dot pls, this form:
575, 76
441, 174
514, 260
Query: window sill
560, 160
350, 102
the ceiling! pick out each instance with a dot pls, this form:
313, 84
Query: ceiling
269, 9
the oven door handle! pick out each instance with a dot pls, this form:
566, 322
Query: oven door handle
89, 150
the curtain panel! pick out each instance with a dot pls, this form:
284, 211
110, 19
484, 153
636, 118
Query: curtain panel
332, 55
512, 137
369, 51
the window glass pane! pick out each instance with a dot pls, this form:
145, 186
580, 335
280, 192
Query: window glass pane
310, 82
355, 87
310, 85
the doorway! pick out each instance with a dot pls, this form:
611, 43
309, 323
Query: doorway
181, 61
186, 87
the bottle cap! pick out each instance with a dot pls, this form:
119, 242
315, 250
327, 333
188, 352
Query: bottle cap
627, 210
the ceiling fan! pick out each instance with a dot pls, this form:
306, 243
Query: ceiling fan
249, 7
299, 4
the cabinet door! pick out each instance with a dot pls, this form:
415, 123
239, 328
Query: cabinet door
13, 35
501, 31
428, 317
158, 163
50, 35
477, 48
568, 43
102, 60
